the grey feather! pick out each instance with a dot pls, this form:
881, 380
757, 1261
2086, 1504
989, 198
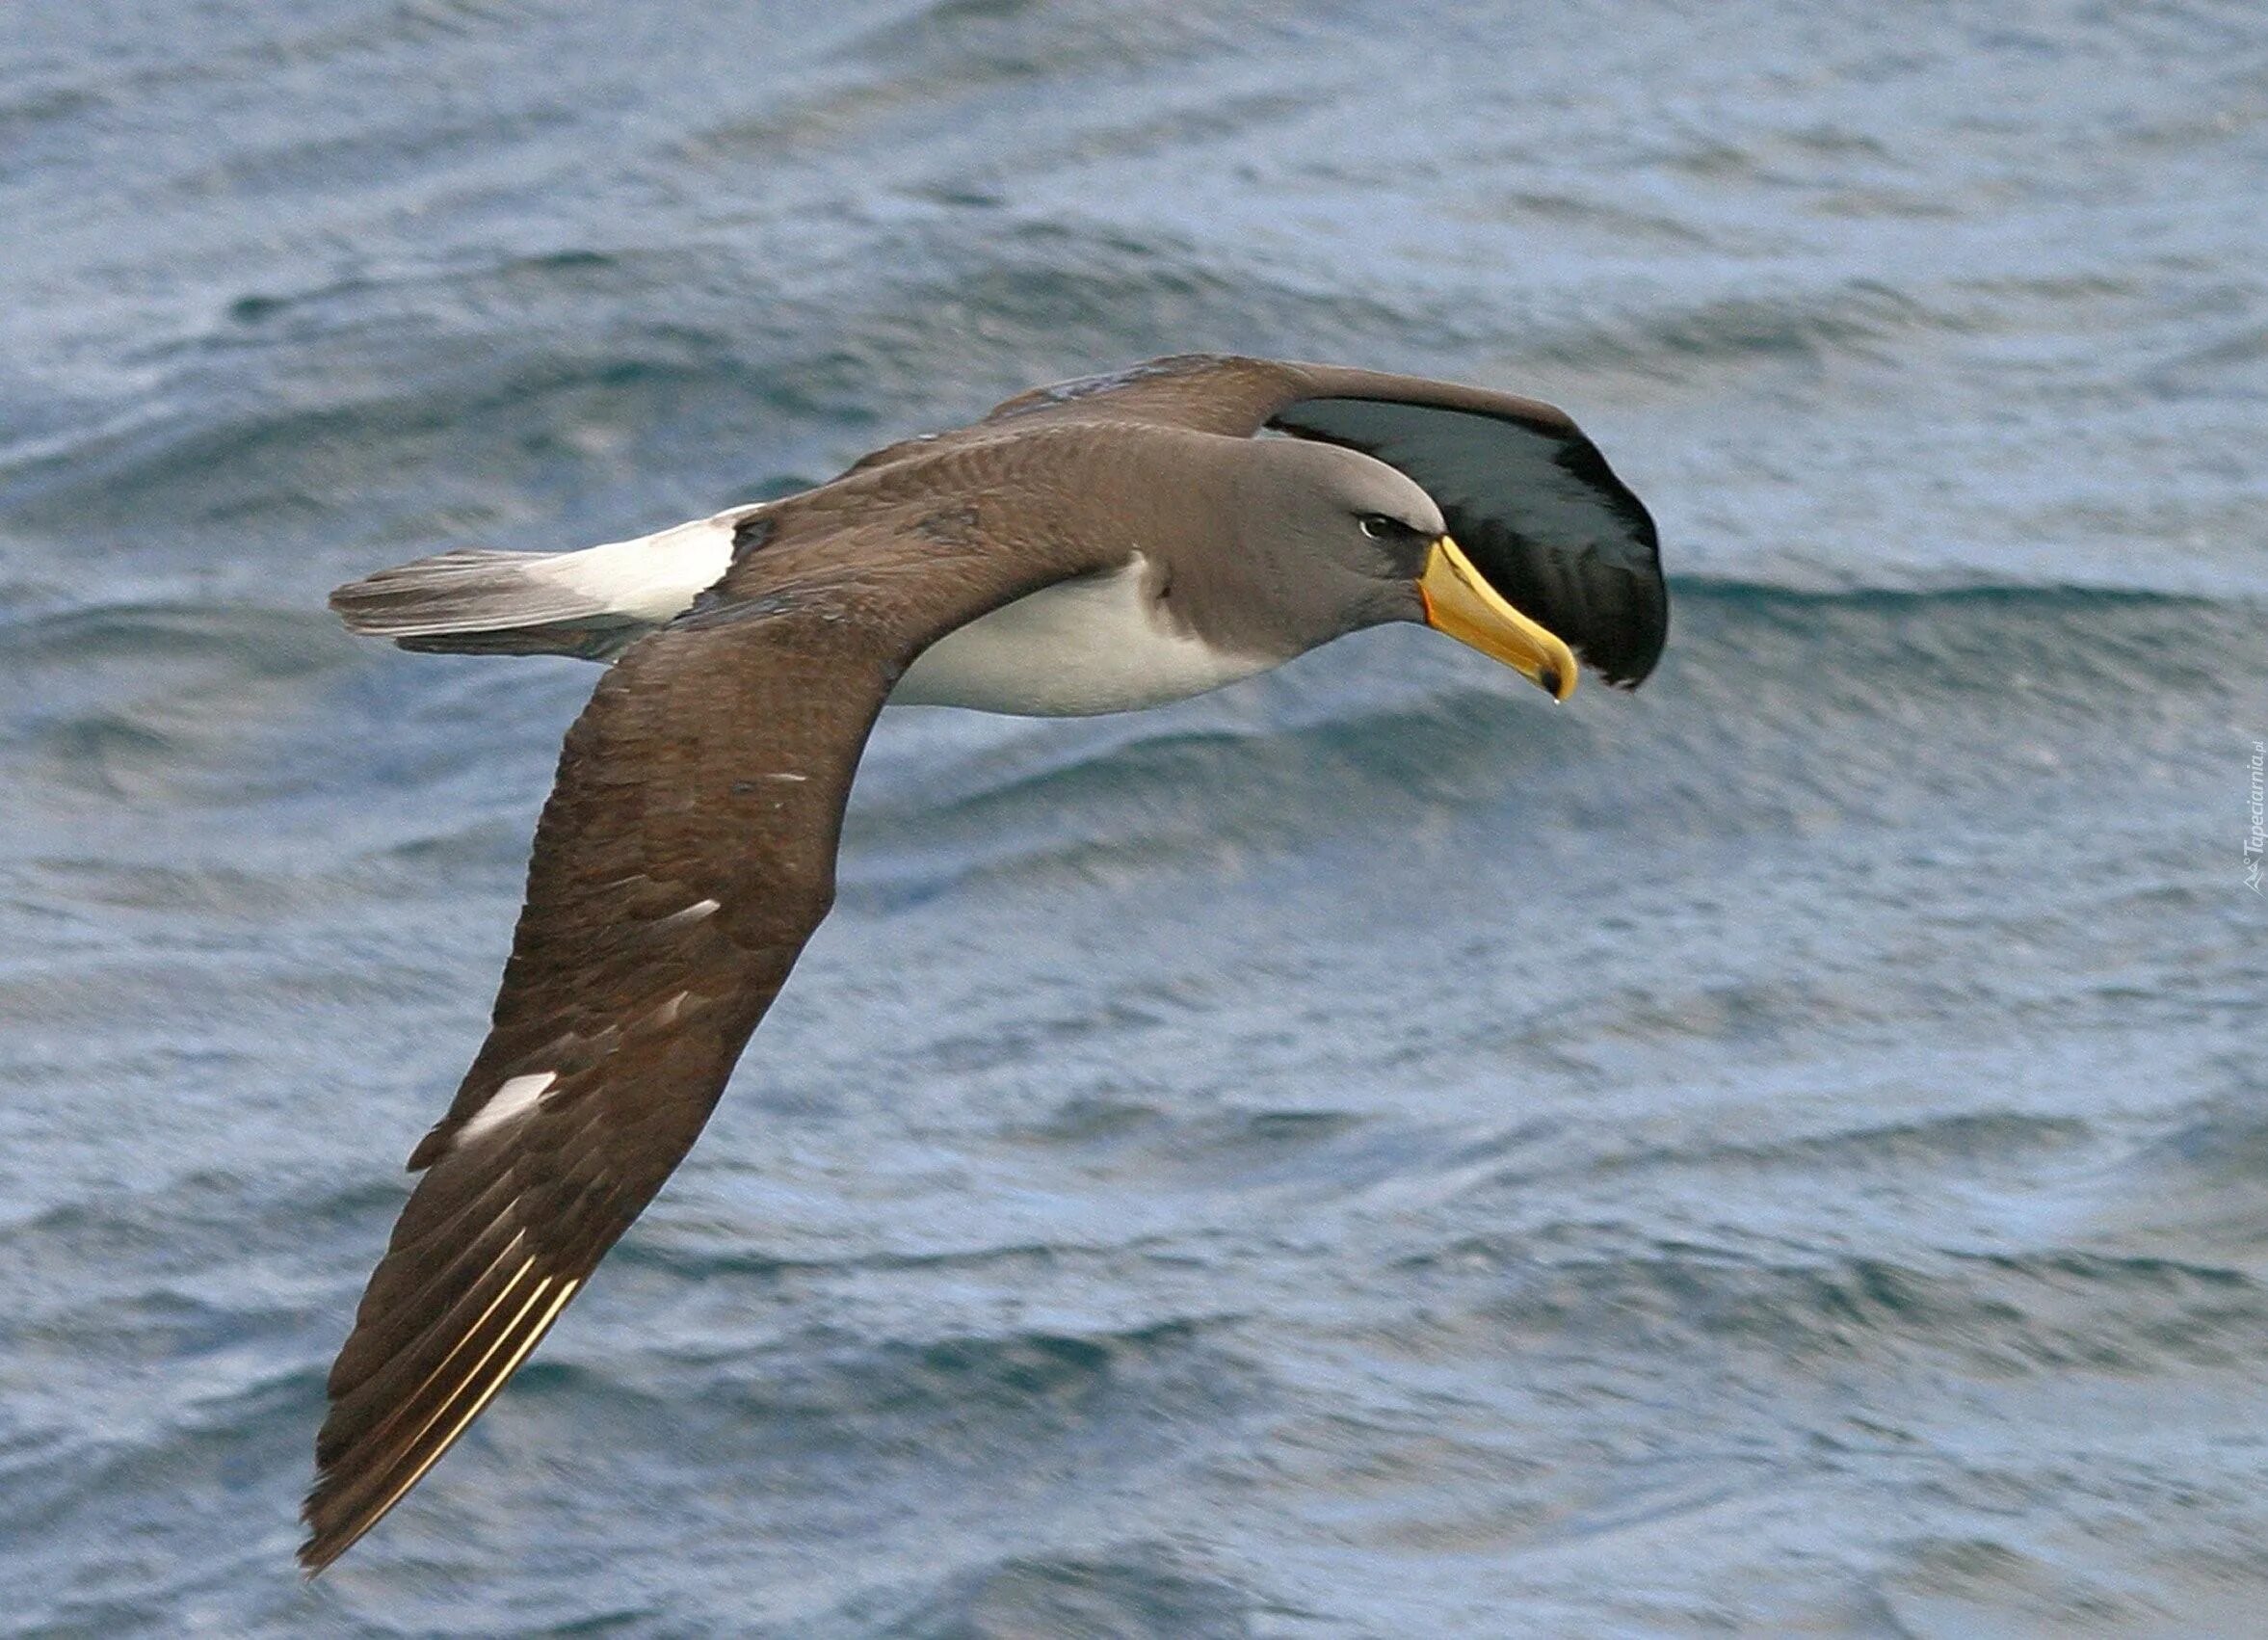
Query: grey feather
480, 601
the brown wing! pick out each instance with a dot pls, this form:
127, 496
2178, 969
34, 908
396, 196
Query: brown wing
1526, 495
686, 853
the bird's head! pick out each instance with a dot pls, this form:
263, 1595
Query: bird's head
1376, 548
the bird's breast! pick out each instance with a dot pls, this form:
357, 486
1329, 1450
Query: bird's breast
1100, 643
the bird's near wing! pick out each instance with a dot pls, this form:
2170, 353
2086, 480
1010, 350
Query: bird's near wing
1528, 497
686, 853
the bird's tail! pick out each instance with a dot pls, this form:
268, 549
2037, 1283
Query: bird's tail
480, 604
593, 603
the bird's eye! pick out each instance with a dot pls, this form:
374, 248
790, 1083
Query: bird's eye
1378, 527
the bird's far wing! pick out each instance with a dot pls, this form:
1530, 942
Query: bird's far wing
686, 853
1528, 497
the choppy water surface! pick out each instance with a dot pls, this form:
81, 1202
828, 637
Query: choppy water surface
1362, 1154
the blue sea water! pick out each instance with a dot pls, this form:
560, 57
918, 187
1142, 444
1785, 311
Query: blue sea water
1363, 1153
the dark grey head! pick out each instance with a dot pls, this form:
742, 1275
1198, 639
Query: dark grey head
1322, 541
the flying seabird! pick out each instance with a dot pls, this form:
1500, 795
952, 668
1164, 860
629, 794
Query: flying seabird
1096, 546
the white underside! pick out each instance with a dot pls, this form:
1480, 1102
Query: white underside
1102, 644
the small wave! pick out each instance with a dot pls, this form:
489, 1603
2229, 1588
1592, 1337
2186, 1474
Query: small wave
1048, 1377
956, 45
1993, 1315
1861, 319
1137, 1592
1965, 1142
971, 1421
198, 682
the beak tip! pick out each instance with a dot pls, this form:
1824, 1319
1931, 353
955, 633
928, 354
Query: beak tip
1457, 599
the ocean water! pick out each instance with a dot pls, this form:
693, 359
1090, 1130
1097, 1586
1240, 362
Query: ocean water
1364, 1154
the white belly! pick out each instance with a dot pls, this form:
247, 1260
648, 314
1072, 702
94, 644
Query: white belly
1098, 644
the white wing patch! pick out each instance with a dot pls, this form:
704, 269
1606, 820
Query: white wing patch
514, 1099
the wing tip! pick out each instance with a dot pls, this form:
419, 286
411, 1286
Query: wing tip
316, 1554
403, 1466
328, 1537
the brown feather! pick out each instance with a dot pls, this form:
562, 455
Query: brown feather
674, 791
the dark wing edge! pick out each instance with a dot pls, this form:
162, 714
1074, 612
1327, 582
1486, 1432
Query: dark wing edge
1528, 497
685, 856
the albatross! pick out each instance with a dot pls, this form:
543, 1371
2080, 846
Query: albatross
1099, 545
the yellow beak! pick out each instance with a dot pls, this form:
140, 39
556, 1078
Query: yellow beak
1460, 603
